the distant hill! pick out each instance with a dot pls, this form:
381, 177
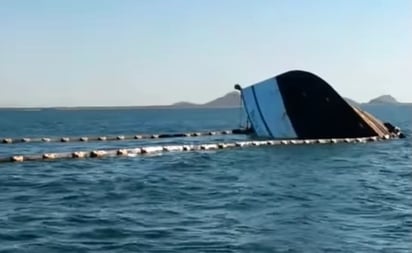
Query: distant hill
384, 99
230, 100
185, 105
352, 102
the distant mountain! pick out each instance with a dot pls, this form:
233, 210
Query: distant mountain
352, 102
384, 99
185, 105
231, 99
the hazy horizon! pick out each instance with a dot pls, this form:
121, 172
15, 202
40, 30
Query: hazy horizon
142, 53
162, 105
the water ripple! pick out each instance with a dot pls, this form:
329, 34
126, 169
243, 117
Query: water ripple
326, 198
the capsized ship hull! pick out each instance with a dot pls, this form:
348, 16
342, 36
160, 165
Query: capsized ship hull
300, 105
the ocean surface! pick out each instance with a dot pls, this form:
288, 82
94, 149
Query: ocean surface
309, 198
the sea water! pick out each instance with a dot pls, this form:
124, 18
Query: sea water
308, 198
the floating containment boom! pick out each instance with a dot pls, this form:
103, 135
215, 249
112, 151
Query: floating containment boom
300, 105
147, 150
122, 137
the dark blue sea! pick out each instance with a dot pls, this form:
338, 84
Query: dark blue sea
308, 198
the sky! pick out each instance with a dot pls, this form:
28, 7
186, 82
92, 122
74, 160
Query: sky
136, 52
